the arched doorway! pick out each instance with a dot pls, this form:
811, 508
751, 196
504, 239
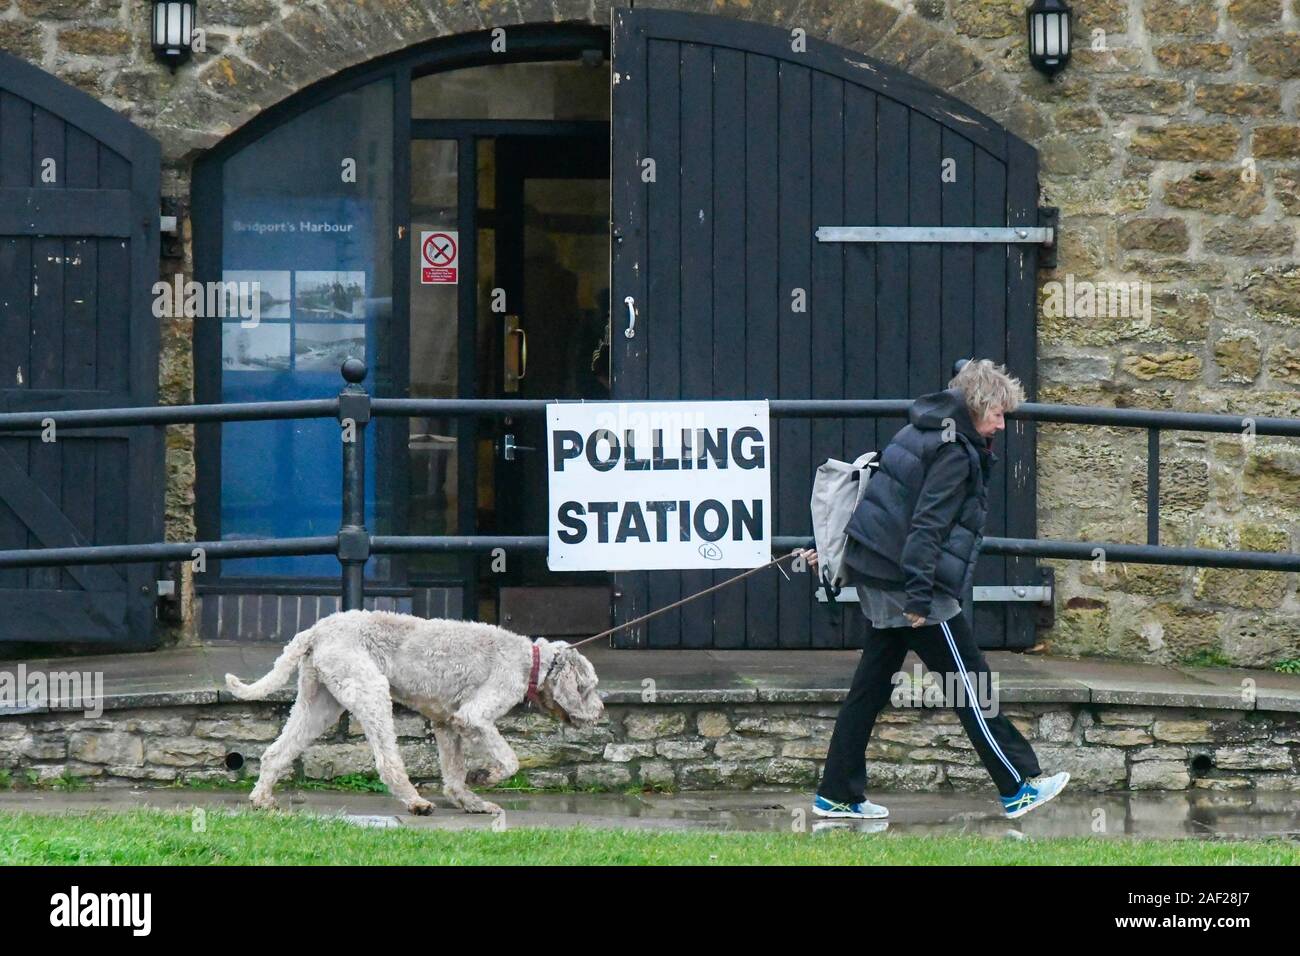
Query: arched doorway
79, 194
386, 161
495, 163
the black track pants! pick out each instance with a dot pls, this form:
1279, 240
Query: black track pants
949, 651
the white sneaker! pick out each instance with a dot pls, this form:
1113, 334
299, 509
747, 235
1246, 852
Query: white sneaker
1033, 793
866, 810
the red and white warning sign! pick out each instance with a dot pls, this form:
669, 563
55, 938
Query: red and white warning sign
439, 257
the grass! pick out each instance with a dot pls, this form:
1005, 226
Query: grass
520, 783
368, 782
1208, 657
351, 783
1213, 657
141, 837
68, 782
31, 781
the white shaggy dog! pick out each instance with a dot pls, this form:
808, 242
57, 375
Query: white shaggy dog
462, 675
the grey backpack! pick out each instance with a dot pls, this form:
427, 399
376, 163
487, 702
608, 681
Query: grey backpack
837, 490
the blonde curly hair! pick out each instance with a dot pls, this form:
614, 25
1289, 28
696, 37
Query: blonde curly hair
986, 387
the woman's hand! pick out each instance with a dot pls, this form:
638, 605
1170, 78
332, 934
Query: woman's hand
916, 619
810, 556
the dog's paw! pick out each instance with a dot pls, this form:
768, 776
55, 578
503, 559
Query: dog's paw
260, 802
481, 806
420, 808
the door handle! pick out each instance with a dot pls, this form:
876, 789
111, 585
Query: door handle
509, 450
512, 362
630, 331
523, 353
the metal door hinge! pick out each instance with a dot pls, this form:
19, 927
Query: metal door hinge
1032, 235
1039, 594
169, 594
1049, 217
1029, 593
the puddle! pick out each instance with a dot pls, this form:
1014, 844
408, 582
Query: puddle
1231, 816
380, 823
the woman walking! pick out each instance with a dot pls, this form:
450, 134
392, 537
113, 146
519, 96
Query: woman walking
912, 547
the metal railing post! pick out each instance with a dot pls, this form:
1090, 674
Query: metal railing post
354, 540
1153, 485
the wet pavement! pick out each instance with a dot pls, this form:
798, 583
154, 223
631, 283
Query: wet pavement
1081, 814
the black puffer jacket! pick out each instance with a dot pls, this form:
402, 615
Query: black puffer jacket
921, 522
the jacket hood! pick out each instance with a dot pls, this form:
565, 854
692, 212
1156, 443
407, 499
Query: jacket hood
931, 411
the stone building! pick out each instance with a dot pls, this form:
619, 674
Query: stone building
1170, 145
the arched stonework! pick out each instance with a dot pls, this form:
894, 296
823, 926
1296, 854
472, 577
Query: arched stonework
260, 52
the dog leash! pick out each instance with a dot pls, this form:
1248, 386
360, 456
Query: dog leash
686, 600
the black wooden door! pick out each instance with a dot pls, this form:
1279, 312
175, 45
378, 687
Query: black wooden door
730, 147
79, 194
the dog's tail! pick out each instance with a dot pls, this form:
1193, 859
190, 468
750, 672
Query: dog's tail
279, 674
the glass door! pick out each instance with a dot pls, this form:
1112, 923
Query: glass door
551, 262
439, 283
508, 298
544, 330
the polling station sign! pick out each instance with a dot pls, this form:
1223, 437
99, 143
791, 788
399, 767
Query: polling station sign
639, 486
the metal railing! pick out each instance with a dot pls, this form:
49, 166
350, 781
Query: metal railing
353, 544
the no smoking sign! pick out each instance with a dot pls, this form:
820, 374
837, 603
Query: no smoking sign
439, 257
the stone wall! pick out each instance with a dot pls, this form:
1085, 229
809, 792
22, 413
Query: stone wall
710, 744
1170, 144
